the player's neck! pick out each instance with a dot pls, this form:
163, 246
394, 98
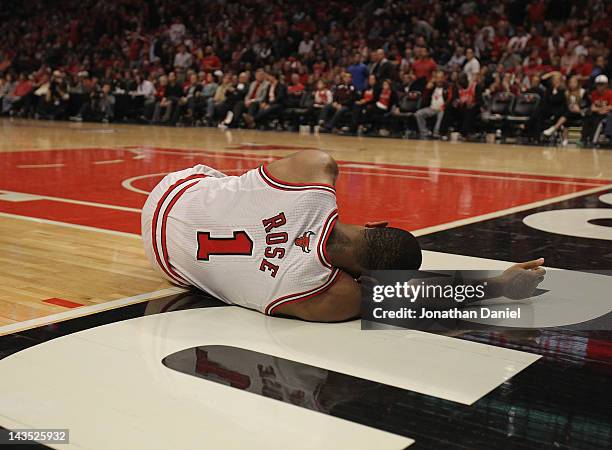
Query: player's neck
343, 243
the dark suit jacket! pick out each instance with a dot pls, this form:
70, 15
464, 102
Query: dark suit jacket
280, 95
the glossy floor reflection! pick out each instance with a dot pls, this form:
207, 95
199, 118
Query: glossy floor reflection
556, 402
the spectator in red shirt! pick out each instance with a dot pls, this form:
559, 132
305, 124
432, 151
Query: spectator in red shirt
536, 11
210, 61
16, 96
423, 67
601, 107
582, 69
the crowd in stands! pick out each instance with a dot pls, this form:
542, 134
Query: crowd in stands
418, 68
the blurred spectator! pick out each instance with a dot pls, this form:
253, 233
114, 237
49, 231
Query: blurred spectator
423, 67
234, 98
273, 103
472, 66
382, 67
344, 96
601, 105
435, 96
255, 95
458, 58
295, 90
322, 97
359, 72
134, 46
14, 101
574, 109
463, 108
182, 59
368, 98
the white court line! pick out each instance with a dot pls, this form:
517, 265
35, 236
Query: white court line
127, 183
503, 212
196, 152
391, 175
69, 225
39, 166
76, 202
354, 165
438, 172
87, 310
109, 161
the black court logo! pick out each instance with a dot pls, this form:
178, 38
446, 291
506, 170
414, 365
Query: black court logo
303, 241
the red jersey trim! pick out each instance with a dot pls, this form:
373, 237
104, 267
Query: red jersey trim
303, 296
287, 186
168, 271
322, 244
163, 228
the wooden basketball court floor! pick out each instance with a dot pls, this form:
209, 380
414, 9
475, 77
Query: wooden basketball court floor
91, 337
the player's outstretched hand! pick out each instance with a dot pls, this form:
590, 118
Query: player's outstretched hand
521, 280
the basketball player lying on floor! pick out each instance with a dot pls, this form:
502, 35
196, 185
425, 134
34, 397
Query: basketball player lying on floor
271, 240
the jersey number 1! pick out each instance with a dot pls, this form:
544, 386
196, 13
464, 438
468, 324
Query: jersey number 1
240, 244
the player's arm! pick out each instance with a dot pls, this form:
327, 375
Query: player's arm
340, 302
343, 300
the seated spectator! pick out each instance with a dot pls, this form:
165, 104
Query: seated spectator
160, 98
554, 100
210, 85
574, 109
54, 102
463, 109
599, 68
234, 96
100, 107
435, 96
15, 100
458, 58
295, 91
601, 105
182, 59
169, 101
368, 98
510, 59
255, 95
6, 86
213, 104
273, 103
532, 128
144, 95
190, 102
322, 98
210, 61
385, 100
407, 82
582, 69
344, 98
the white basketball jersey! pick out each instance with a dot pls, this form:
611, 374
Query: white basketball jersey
249, 240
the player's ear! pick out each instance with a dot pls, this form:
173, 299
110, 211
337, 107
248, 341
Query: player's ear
381, 224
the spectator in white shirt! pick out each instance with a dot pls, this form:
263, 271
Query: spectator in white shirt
458, 58
182, 59
306, 45
472, 66
177, 31
518, 42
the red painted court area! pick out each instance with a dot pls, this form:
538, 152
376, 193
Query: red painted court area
105, 188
